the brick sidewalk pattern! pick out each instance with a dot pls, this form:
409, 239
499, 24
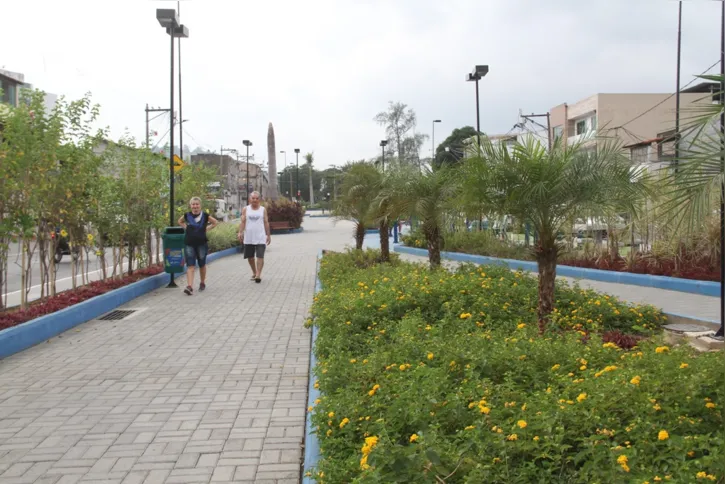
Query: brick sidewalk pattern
209, 388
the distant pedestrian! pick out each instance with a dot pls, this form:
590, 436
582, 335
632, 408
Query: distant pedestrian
255, 235
196, 224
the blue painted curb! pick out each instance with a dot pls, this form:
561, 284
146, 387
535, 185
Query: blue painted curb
705, 288
25, 335
372, 231
312, 444
288, 231
319, 216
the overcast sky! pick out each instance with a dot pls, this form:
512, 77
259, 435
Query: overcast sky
320, 70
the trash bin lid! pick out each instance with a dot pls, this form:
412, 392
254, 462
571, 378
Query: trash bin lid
174, 230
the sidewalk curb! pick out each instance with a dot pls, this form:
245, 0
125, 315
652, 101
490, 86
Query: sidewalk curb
18, 338
287, 231
312, 445
704, 288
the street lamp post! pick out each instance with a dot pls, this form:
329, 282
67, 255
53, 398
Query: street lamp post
247, 143
433, 143
478, 73
290, 174
169, 20
382, 144
297, 181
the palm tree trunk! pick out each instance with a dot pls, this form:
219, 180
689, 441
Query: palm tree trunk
546, 260
384, 241
359, 235
434, 239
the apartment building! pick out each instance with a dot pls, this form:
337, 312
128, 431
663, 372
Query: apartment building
12, 83
629, 117
233, 176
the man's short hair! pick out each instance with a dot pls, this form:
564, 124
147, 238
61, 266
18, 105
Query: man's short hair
255, 193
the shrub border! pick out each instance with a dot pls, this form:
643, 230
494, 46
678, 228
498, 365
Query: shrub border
311, 443
705, 288
18, 338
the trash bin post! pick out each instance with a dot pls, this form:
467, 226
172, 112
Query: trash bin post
174, 262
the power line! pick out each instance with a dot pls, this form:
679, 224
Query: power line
668, 97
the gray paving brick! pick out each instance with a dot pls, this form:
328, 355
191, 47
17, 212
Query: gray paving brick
193, 389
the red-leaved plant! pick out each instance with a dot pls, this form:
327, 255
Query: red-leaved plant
283, 210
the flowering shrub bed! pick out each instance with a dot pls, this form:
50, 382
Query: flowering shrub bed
13, 317
689, 264
442, 377
283, 210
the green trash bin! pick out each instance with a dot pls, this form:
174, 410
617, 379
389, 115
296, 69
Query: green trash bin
173, 239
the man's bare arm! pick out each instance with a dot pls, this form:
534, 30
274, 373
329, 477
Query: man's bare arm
242, 223
266, 228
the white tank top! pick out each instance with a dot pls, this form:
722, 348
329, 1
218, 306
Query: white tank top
254, 233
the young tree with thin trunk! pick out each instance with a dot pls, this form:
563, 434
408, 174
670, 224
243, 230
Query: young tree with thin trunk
310, 158
549, 188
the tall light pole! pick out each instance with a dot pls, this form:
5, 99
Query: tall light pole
297, 177
433, 143
289, 192
478, 73
169, 20
721, 332
382, 144
677, 91
247, 143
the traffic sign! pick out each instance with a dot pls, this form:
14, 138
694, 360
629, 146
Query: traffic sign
178, 163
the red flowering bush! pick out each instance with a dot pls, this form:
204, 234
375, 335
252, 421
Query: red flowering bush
283, 210
13, 317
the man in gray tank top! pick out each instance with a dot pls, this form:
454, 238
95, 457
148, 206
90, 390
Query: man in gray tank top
255, 235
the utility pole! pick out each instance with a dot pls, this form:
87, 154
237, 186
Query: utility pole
547, 127
152, 110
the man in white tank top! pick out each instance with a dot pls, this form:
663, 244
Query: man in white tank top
255, 235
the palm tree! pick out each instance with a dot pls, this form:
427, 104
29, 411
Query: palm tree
428, 196
359, 185
309, 158
550, 188
386, 207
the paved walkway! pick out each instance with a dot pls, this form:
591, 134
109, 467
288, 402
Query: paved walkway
209, 388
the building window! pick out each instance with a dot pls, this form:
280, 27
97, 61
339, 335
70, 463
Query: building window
593, 123
639, 154
558, 131
581, 127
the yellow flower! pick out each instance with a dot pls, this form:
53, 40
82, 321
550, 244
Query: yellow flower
331, 414
636, 380
329, 432
414, 438
583, 367
663, 435
470, 427
348, 323
555, 367
317, 384
63, 233
402, 367
581, 397
622, 459
536, 438
317, 401
344, 422
430, 356
465, 315
512, 437
609, 345
710, 405
522, 424
521, 325
89, 237
684, 365
485, 410
353, 360
661, 349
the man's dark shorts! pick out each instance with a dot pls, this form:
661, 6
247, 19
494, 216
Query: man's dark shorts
251, 251
196, 255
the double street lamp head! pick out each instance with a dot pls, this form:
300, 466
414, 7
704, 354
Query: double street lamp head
383, 143
478, 73
246, 142
167, 17
297, 150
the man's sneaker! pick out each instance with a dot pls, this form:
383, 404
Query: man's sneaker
202, 286
188, 291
